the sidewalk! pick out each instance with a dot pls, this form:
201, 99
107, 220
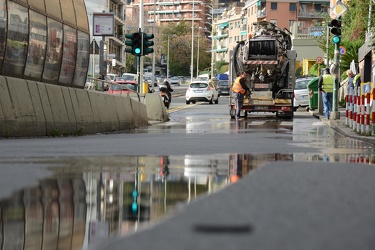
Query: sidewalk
340, 127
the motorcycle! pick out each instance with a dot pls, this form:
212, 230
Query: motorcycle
164, 96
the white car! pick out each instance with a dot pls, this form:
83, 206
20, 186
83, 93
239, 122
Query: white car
301, 93
201, 91
174, 80
89, 85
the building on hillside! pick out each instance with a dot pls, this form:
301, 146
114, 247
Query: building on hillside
113, 46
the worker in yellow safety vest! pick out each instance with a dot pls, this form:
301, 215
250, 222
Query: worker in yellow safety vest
354, 81
325, 84
239, 90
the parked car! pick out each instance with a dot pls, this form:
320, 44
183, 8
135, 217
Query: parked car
301, 93
126, 80
129, 76
112, 77
89, 85
174, 80
201, 91
223, 87
122, 88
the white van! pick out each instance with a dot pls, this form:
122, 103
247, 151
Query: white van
130, 76
112, 77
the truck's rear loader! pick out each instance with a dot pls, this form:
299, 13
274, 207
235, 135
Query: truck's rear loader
270, 63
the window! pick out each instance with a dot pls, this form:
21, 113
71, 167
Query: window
292, 7
17, 39
37, 45
291, 22
69, 56
3, 30
318, 7
54, 49
82, 58
273, 6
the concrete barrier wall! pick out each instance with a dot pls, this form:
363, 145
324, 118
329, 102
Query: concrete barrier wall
155, 108
29, 108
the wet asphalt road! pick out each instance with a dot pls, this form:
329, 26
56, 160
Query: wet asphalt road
205, 150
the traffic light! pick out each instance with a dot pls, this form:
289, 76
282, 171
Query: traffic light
134, 207
336, 30
134, 41
147, 44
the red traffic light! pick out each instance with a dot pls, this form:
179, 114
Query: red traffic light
336, 23
336, 27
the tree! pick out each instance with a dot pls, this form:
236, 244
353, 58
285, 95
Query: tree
354, 26
180, 48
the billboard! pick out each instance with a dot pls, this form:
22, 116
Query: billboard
103, 24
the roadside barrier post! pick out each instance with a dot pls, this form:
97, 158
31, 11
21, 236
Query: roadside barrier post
367, 115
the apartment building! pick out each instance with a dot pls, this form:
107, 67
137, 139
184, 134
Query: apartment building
113, 46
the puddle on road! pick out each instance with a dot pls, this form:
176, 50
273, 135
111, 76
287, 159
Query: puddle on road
88, 201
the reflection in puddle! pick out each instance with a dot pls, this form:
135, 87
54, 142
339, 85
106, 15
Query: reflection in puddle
99, 198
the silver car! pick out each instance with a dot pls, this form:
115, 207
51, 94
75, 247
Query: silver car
201, 91
301, 93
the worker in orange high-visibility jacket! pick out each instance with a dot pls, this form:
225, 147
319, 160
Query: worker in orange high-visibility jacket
239, 90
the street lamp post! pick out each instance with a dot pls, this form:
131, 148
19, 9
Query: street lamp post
212, 39
168, 59
192, 45
93, 57
198, 53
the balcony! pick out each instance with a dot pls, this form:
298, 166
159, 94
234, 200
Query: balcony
218, 37
119, 2
312, 14
118, 40
261, 14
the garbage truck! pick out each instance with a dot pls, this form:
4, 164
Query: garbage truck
270, 63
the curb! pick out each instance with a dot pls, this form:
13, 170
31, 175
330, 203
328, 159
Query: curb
340, 127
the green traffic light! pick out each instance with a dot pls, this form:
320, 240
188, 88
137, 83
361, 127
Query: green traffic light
336, 39
134, 194
137, 51
134, 207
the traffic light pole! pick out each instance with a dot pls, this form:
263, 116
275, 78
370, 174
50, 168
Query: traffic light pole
140, 84
335, 115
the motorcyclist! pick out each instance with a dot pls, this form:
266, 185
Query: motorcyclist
168, 90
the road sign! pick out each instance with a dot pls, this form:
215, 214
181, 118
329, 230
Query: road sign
339, 9
342, 50
319, 60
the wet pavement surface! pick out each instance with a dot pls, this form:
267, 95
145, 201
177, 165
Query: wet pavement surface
70, 201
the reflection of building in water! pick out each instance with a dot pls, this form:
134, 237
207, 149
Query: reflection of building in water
242, 164
45, 217
46, 40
